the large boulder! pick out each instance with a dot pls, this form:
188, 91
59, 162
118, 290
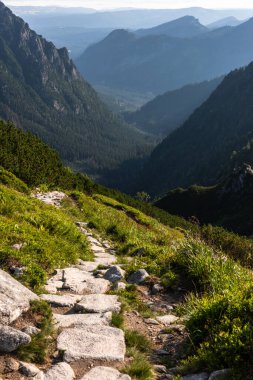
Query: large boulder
11, 339
98, 303
138, 277
114, 274
105, 373
14, 298
93, 342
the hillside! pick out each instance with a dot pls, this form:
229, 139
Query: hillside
169, 111
208, 146
123, 281
42, 92
159, 63
184, 27
228, 204
227, 21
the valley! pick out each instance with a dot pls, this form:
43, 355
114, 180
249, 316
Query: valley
126, 190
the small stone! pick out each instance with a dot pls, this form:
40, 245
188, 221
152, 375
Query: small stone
160, 368
31, 330
28, 369
11, 339
161, 352
151, 321
17, 271
156, 289
139, 252
119, 286
138, 277
11, 365
115, 273
18, 246
60, 371
167, 320
219, 374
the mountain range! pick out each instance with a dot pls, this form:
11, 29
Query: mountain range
42, 91
214, 140
169, 111
159, 63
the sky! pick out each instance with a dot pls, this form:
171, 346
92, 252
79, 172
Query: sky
108, 4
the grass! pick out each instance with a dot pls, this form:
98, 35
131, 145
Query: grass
51, 238
140, 367
38, 350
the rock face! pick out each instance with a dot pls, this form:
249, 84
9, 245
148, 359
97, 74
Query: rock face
115, 273
82, 320
14, 298
105, 373
98, 303
138, 277
11, 339
93, 342
61, 371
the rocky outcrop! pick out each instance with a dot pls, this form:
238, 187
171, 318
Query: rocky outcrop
14, 298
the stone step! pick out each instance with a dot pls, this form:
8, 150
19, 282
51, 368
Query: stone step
82, 320
92, 342
105, 373
98, 303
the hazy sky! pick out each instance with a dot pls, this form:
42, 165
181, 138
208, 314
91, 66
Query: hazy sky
104, 4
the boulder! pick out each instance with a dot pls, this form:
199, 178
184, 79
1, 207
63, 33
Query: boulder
60, 371
98, 303
93, 342
114, 274
14, 298
138, 277
167, 320
105, 373
119, 286
82, 320
11, 339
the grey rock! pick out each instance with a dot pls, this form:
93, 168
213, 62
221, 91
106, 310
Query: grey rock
98, 303
114, 274
82, 282
82, 320
138, 277
82, 224
167, 320
93, 342
219, 374
160, 368
60, 371
11, 339
156, 289
67, 300
119, 286
28, 369
17, 271
198, 376
18, 246
105, 373
14, 298
31, 330
151, 321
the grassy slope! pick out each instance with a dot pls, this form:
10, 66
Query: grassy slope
218, 313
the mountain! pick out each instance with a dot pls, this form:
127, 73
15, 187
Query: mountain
184, 27
161, 63
216, 138
227, 21
42, 92
169, 111
228, 204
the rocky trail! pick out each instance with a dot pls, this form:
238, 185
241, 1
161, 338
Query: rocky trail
87, 347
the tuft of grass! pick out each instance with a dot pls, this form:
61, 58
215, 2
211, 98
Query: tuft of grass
39, 348
117, 320
136, 340
140, 367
